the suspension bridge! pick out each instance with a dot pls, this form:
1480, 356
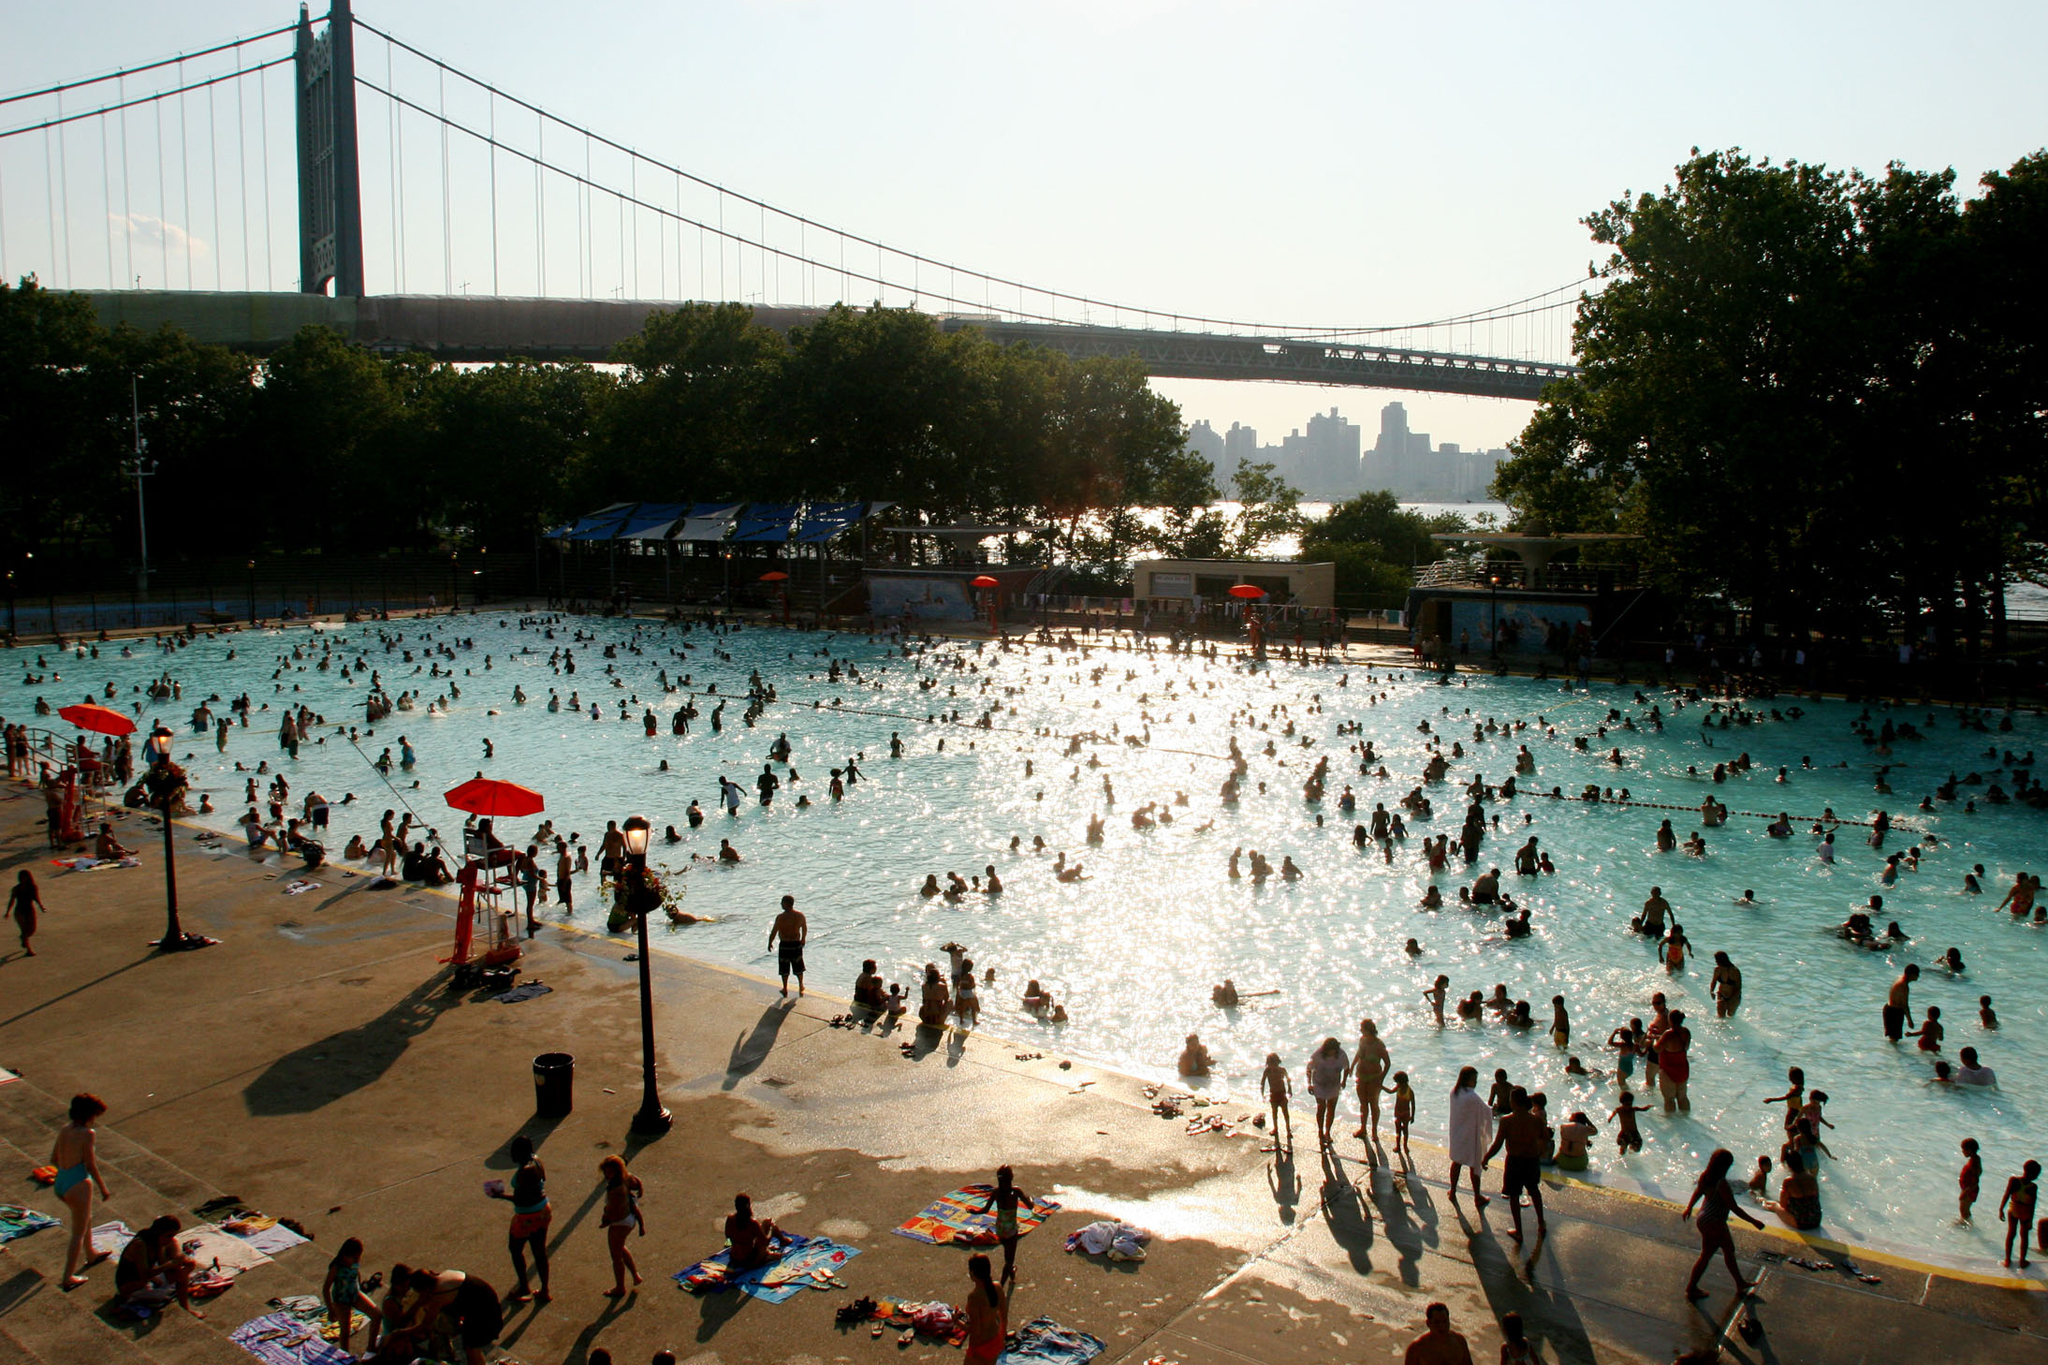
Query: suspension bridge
328, 172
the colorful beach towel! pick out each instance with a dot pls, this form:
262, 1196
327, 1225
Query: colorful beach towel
1045, 1342
111, 1239
801, 1262
16, 1221
939, 1321
955, 1218
281, 1339
213, 1249
261, 1231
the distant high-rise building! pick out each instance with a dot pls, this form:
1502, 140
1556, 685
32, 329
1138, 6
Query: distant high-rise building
1205, 441
1239, 443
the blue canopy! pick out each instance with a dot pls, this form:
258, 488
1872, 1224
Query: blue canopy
708, 522
650, 520
824, 520
601, 525
765, 522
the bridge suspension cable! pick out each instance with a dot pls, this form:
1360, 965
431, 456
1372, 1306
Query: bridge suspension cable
1035, 303
127, 71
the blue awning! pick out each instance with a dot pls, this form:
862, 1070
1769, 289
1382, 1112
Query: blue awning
601, 525
651, 520
765, 523
708, 522
824, 520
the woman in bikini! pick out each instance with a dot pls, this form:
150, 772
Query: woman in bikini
78, 1170
1717, 1204
621, 1215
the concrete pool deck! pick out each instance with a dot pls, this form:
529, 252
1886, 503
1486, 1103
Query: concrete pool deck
315, 1065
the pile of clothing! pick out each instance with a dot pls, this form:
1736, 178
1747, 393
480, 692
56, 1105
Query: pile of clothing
1118, 1241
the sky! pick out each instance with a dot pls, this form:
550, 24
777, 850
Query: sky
1312, 164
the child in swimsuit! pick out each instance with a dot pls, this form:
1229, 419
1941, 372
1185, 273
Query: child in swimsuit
2016, 1206
1627, 1138
1971, 1178
1404, 1109
1273, 1084
1004, 1199
343, 1294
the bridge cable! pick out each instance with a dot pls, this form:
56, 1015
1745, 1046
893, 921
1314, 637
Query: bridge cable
140, 99
48, 91
723, 192
185, 178
263, 114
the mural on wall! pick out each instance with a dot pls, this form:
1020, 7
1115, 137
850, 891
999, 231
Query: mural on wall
927, 599
1525, 627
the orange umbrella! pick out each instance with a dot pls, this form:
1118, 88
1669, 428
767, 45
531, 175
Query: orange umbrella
1247, 591
984, 581
493, 797
101, 720
775, 576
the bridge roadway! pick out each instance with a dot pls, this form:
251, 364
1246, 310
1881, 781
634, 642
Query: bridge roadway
488, 329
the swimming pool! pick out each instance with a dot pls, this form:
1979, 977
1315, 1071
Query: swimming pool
1134, 949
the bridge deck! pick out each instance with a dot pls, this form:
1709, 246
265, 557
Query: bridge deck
489, 329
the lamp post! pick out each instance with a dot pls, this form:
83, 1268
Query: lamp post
141, 468
252, 592
453, 581
162, 780
1493, 633
652, 1118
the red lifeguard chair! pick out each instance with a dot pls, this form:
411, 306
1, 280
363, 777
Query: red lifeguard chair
489, 878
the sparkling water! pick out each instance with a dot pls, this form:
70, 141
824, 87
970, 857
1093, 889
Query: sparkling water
1134, 949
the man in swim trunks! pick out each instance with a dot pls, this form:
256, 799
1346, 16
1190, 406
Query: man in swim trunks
793, 929
1522, 1133
1898, 1002
472, 1303
1673, 1066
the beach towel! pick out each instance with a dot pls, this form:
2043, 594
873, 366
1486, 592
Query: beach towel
1043, 1340
938, 1320
525, 991
16, 1221
301, 886
955, 1218
261, 1231
1117, 1240
210, 1248
94, 864
800, 1262
282, 1339
111, 1239
6, 1076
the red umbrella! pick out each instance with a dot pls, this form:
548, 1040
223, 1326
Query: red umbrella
984, 581
1247, 591
775, 576
101, 720
492, 797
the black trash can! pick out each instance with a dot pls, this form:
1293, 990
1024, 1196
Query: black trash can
554, 1084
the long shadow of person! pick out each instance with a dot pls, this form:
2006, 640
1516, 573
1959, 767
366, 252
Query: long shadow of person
751, 1049
1407, 1236
1348, 1215
314, 1076
1285, 1182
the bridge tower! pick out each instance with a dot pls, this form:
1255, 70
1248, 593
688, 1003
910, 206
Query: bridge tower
330, 185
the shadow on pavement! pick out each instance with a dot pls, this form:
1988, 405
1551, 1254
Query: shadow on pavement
749, 1050
321, 1072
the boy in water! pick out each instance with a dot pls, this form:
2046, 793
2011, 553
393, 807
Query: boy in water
1273, 1085
1968, 1182
1760, 1179
1627, 1137
1435, 996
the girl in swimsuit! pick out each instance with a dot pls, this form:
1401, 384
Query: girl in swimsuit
531, 1215
1717, 1204
621, 1215
78, 1171
1004, 1199
988, 1312
342, 1291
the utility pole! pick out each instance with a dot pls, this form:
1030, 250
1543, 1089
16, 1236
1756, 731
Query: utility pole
139, 469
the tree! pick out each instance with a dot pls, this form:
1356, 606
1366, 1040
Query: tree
1375, 544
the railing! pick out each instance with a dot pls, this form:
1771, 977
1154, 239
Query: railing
1564, 577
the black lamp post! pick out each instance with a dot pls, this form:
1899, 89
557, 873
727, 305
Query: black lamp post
163, 781
640, 899
1493, 634
252, 592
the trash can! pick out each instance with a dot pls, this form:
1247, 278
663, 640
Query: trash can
554, 1081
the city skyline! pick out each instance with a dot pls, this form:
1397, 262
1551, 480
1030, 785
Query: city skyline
1328, 459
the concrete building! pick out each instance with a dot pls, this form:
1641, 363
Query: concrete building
1210, 580
1239, 443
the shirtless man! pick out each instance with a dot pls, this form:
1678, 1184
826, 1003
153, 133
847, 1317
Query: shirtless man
1898, 1002
1522, 1133
1439, 1345
793, 929
1654, 911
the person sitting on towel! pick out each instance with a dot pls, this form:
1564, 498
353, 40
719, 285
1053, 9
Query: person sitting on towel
152, 1270
749, 1236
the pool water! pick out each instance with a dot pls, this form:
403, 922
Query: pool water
1134, 949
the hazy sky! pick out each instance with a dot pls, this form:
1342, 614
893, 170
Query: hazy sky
1333, 164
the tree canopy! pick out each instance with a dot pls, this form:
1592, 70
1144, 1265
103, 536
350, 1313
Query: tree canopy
1820, 395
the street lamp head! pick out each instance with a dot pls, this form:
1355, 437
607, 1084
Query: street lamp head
158, 745
1495, 580
635, 828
